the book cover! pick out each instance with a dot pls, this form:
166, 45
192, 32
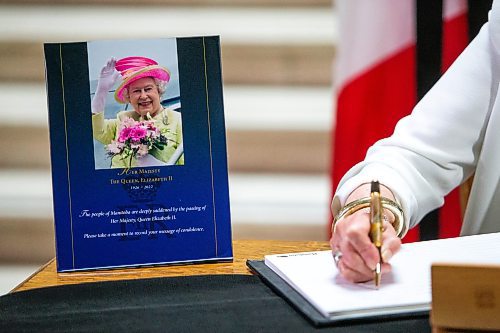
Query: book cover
138, 152
310, 281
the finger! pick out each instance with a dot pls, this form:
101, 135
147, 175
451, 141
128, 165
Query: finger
391, 243
333, 244
116, 76
359, 220
109, 67
336, 238
388, 228
386, 268
357, 234
351, 274
354, 261
338, 243
354, 275
390, 246
352, 234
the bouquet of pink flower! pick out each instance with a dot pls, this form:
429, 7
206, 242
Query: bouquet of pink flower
136, 139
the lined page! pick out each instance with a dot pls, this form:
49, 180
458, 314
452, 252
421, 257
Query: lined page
314, 275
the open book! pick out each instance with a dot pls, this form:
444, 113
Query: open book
404, 291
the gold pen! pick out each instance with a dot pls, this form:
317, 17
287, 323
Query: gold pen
376, 226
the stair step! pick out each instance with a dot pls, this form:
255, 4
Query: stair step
248, 150
259, 46
275, 64
293, 26
283, 108
218, 3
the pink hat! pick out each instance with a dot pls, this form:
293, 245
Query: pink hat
135, 68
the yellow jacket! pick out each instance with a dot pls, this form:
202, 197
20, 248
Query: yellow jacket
106, 130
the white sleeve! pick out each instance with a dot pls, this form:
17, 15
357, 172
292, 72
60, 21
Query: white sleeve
435, 148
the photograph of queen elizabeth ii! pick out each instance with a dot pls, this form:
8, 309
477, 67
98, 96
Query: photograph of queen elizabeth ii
135, 102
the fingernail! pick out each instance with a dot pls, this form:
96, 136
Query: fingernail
386, 255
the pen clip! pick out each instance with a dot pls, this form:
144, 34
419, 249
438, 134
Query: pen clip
376, 214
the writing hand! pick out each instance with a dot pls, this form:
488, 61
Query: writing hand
359, 255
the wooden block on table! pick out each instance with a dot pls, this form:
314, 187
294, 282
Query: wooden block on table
465, 298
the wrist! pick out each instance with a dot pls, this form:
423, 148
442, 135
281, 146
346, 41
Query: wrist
363, 191
359, 199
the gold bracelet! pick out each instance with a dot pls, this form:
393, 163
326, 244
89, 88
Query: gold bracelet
392, 206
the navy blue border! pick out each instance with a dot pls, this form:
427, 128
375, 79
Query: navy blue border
77, 185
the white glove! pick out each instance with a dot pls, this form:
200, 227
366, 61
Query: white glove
107, 78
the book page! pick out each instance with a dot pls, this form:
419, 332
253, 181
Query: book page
315, 276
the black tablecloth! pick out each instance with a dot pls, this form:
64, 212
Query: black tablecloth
210, 303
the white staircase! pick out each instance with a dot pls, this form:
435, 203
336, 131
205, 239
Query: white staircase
277, 65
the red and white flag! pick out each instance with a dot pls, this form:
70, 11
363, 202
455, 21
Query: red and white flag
376, 82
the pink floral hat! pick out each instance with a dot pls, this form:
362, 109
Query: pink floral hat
135, 68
